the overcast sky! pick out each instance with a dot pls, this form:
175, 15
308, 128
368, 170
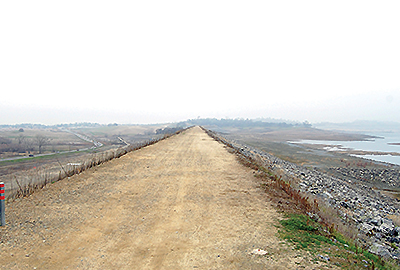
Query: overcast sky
161, 61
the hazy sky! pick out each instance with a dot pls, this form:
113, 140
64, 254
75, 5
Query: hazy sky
158, 61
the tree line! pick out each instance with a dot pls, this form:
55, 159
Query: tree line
23, 144
241, 123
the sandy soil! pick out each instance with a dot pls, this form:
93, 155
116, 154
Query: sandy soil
183, 203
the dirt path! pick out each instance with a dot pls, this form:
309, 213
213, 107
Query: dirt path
183, 203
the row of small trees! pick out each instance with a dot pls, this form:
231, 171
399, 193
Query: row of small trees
25, 144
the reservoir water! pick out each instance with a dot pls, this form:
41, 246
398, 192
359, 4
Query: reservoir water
382, 144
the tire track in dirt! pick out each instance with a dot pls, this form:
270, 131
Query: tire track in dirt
182, 203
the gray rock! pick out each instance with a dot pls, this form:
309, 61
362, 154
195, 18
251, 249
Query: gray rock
326, 258
396, 255
380, 250
393, 232
386, 226
366, 228
393, 240
376, 221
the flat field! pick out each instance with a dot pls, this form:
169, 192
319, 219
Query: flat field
20, 157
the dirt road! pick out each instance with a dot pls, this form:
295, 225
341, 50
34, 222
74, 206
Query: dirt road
183, 203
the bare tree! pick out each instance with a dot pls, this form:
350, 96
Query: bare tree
41, 141
21, 139
28, 145
21, 143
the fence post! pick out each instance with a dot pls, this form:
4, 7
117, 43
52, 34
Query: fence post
2, 205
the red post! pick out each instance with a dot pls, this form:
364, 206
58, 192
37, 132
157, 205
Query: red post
2, 205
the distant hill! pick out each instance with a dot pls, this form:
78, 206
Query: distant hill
362, 126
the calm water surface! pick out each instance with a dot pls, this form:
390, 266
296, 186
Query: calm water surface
380, 144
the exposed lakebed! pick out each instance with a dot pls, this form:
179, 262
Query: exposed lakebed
385, 147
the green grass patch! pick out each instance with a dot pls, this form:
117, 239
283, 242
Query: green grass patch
302, 231
306, 234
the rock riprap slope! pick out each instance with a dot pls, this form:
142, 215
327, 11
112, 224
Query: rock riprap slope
371, 211
182, 203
